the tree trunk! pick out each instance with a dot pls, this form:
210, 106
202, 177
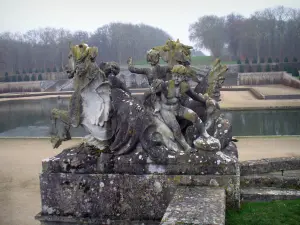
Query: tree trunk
257, 51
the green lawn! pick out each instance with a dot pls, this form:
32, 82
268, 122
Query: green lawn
196, 61
266, 213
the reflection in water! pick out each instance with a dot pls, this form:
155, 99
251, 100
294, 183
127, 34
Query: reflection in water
265, 122
32, 118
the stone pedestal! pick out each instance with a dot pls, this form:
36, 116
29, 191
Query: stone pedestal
83, 185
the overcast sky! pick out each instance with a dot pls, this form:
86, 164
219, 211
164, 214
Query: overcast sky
172, 16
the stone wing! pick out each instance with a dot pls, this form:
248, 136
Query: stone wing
96, 103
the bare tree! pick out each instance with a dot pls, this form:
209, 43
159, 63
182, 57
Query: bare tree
209, 32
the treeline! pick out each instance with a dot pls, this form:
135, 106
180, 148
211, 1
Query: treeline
269, 33
46, 49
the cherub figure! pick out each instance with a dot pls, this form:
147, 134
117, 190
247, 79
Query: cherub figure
171, 92
156, 71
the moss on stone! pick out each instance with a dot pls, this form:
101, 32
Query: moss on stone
60, 114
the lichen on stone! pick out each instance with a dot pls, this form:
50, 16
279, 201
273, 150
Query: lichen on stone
60, 114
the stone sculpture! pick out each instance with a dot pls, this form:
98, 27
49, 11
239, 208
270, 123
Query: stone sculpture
172, 53
136, 154
156, 71
169, 106
117, 122
106, 109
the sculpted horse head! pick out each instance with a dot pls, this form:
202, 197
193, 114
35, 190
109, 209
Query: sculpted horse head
78, 55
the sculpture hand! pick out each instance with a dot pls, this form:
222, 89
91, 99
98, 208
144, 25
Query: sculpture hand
156, 110
206, 97
129, 61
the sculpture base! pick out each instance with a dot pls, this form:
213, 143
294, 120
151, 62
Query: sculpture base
82, 184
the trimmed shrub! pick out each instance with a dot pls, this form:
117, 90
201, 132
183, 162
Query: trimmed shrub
14, 78
246, 60
26, 78
54, 69
36, 71
295, 72
20, 78
289, 69
286, 59
40, 77
33, 78
6, 79
239, 61
268, 68
269, 60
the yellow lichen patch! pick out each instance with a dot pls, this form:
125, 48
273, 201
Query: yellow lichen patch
171, 87
215, 75
82, 51
180, 69
184, 87
60, 114
173, 47
76, 52
190, 116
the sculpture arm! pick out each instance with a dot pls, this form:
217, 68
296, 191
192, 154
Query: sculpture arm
133, 69
195, 96
145, 71
154, 88
165, 69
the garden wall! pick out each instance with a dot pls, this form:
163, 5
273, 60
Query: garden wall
29, 86
35, 76
268, 78
250, 68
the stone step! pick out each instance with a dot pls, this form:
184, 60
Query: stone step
288, 180
196, 205
270, 165
268, 194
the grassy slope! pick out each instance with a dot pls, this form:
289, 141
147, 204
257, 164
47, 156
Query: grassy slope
266, 213
196, 60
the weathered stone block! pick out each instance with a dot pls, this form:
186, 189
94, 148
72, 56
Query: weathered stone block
83, 183
84, 159
270, 180
268, 194
122, 197
269, 165
196, 205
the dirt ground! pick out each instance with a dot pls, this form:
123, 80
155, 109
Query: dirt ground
244, 99
20, 165
277, 89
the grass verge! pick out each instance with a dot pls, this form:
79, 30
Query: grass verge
285, 212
